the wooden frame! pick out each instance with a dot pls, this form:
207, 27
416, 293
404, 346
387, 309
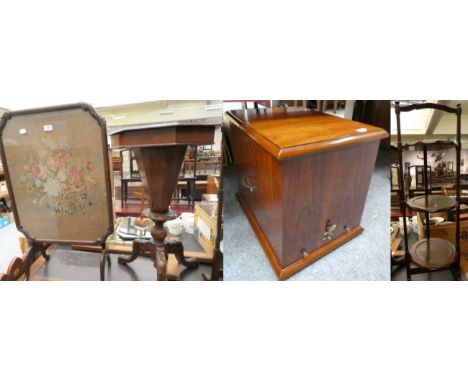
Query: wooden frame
22, 196
419, 176
404, 203
394, 176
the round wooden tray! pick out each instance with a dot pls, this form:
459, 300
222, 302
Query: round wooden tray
433, 254
432, 203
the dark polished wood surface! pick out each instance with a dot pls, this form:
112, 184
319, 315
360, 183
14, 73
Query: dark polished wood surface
165, 162
302, 206
432, 203
162, 136
433, 253
160, 153
330, 186
289, 132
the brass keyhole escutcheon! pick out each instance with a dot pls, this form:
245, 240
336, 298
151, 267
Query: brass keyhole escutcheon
329, 231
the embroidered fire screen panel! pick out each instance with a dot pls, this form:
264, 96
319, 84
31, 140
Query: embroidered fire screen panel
58, 175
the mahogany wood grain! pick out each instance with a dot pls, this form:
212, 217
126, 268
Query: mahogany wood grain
159, 152
290, 197
159, 170
284, 272
164, 136
329, 186
290, 132
257, 168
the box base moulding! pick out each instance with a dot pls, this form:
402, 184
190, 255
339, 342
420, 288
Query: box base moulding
288, 271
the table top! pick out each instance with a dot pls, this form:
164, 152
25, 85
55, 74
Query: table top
167, 135
170, 123
161, 114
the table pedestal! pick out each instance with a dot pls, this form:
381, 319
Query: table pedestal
159, 169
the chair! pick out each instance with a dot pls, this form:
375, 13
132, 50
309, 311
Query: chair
134, 174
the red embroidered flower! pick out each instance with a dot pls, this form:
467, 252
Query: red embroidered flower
90, 166
76, 178
61, 157
38, 172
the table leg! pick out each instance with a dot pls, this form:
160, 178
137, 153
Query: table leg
160, 262
140, 247
149, 248
177, 249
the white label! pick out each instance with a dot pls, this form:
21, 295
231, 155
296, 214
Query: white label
23, 131
361, 130
48, 128
204, 229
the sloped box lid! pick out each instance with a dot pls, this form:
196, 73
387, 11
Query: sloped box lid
289, 132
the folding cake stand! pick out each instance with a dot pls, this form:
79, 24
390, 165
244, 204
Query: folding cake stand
430, 254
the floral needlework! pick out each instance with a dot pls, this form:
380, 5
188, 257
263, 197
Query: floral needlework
59, 178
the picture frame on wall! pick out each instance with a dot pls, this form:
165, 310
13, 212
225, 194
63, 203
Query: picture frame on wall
407, 166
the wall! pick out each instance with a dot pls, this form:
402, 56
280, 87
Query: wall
411, 156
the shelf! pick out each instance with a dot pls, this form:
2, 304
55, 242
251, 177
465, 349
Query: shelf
433, 254
432, 203
436, 146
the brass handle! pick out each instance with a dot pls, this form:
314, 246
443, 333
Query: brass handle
329, 231
246, 183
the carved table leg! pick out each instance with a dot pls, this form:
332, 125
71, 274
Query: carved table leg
136, 250
177, 249
160, 262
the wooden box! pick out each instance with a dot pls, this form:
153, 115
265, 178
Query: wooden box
205, 225
303, 180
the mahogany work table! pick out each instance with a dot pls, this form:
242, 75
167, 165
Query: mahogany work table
303, 180
159, 152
